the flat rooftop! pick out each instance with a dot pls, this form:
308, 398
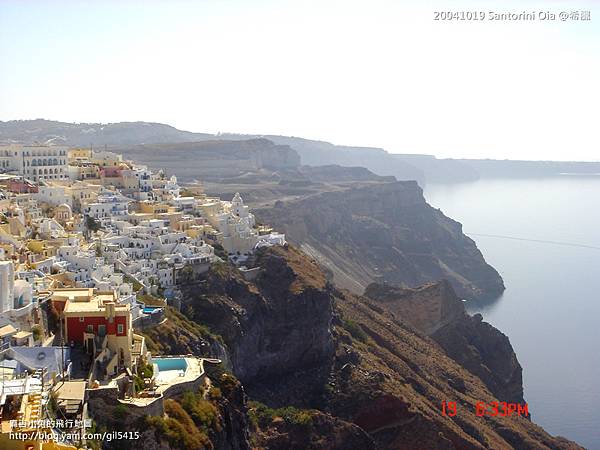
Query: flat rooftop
70, 390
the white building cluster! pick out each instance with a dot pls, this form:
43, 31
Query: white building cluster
88, 219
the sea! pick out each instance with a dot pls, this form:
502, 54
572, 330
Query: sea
543, 236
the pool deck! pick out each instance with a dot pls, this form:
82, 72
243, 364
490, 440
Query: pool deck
194, 371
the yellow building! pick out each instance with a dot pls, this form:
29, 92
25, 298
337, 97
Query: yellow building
206, 232
210, 208
83, 171
106, 159
153, 207
83, 193
46, 248
174, 218
4, 205
75, 154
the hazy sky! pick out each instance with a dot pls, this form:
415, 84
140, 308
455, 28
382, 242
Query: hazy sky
373, 72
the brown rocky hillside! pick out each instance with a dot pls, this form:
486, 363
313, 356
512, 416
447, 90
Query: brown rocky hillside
336, 370
384, 232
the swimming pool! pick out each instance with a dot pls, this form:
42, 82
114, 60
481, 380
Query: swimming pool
166, 364
167, 370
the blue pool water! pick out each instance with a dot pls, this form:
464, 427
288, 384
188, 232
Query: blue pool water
165, 364
150, 309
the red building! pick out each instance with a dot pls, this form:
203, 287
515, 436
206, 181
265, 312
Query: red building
101, 325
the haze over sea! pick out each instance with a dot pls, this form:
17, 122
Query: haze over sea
543, 236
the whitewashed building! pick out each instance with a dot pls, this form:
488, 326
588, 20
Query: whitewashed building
35, 162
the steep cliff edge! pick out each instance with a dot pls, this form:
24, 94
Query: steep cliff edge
213, 159
273, 325
428, 308
294, 339
384, 232
391, 380
480, 348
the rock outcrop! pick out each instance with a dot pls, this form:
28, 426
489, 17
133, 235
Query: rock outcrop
280, 322
477, 346
384, 232
428, 308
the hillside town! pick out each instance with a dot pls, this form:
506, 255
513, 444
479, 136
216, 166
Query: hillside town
92, 249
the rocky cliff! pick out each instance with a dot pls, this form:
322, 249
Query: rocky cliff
428, 308
363, 372
273, 325
213, 159
480, 348
384, 232
391, 380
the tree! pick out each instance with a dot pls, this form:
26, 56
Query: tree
92, 224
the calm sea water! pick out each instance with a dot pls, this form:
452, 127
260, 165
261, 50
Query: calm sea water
551, 307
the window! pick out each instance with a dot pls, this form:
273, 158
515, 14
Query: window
90, 329
120, 328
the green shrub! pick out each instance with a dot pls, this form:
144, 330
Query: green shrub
145, 370
92, 223
151, 300
136, 284
260, 414
37, 332
355, 330
203, 413
220, 251
263, 415
138, 382
120, 412
219, 268
180, 430
227, 383
303, 418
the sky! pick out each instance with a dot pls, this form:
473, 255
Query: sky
378, 73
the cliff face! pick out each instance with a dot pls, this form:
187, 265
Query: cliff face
428, 308
377, 160
385, 232
391, 380
376, 379
212, 160
272, 326
485, 352
480, 348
